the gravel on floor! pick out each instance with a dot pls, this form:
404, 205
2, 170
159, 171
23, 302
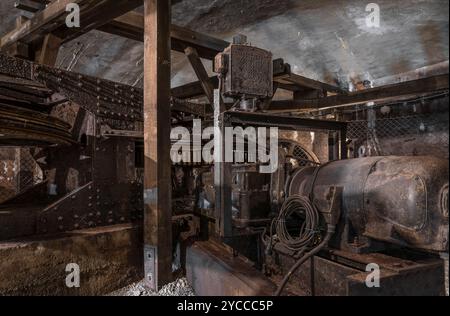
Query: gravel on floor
178, 288
181, 287
446, 276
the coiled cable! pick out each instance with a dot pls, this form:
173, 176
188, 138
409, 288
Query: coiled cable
301, 205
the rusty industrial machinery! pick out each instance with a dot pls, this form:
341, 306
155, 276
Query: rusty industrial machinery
305, 227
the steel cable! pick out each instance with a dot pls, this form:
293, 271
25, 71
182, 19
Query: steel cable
309, 228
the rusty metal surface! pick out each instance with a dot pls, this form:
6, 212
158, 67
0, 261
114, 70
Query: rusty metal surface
15, 67
89, 182
399, 200
250, 71
118, 106
340, 273
20, 126
212, 270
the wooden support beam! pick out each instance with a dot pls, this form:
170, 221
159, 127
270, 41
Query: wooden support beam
193, 89
43, 22
130, 25
379, 94
282, 76
96, 15
93, 14
300, 81
20, 20
157, 144
200, 71
420, 73
207, 46
48, 52
19, 50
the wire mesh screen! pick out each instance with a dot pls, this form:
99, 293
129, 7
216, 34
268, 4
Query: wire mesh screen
18, 172
431, 130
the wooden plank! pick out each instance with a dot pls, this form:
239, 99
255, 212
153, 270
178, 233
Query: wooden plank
420, 73
130, 25
207, 46
157, 144
19, 50
48, 52
102, 12
304, 82
193, 89
44, 22
93, 14
281, 75
379, 94
201, 73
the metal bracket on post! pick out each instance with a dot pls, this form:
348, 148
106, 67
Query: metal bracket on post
150, 267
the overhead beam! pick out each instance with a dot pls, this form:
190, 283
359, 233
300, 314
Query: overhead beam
300, 81
43, 22
379, 94
93, 14
282, 77
130, 25
193, 89
103, 12
157, 144
420, 73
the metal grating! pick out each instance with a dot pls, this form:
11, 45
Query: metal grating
364, 131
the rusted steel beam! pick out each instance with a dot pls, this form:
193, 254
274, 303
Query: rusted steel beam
213, 270
379, 94
130, 25
157, 124
31, 128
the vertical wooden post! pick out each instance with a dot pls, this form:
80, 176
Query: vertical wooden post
157, 126
48, 52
